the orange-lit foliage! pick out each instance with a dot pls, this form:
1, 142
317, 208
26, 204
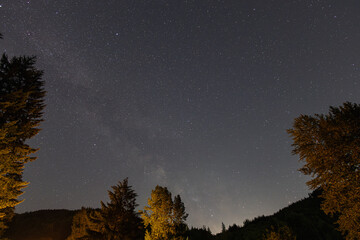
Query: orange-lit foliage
282, 233
330, 147
21, 106
164, 218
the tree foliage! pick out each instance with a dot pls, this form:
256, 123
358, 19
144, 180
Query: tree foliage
116, 219
21, 109
282, 233
82, 224
164, 218
330, 147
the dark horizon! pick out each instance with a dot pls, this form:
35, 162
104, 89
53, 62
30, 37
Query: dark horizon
190, 95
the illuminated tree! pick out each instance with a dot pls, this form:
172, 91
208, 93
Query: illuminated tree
283, 233
164, 218
82, 224
21, 106
330, 147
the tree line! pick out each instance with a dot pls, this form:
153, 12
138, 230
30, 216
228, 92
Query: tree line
164, 217
304, 218
327, 144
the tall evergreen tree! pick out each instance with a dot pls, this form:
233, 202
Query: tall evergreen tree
164, 219
179, 216
21, 108
223, 228
117, 219
330, 147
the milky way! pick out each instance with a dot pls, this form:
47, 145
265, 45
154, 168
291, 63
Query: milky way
192, 95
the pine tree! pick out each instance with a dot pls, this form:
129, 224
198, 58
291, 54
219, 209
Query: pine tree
118, 219
179, 216
164, 218
330, 147
21, 109
223, 228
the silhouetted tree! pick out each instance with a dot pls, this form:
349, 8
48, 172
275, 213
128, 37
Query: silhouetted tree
21, 109
179, 216
199, 234
117, 219
223, 228
330, 147
163, 218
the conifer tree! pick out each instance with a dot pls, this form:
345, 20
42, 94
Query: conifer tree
330, 147
179, 216
117, 219
21, 109
164, 219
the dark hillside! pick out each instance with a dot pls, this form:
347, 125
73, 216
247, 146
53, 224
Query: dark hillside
41, 225
305, 219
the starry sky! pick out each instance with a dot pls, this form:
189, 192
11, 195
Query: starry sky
190, 94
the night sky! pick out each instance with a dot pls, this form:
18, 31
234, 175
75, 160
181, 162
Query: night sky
189, 94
